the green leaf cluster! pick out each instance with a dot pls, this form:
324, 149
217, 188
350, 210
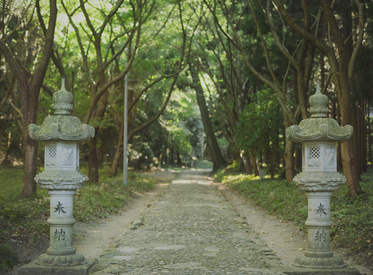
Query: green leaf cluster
352, 217
259, 124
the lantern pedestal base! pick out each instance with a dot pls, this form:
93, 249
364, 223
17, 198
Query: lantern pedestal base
61, 260
322, 262
37, 269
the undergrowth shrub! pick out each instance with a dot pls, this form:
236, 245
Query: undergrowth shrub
23, 220
276, 196
352, 217
96, 200
8, 257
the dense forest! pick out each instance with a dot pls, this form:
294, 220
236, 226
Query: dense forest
206, 79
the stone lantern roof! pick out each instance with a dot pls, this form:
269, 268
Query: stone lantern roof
318, 127
62, 126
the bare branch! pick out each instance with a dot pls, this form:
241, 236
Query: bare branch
5, 98
16, 109
359, 41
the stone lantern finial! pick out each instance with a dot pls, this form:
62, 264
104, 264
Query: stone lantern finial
319, 103
62, 101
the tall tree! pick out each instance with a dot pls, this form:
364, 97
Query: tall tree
217, 158
30, 89
167, 63
272, 60
110, 38
342, 63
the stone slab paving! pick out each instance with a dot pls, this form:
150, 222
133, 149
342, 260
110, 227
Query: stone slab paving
190, 229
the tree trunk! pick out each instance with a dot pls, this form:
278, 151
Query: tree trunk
289, 160
29, 90
217, 158
178, 158
117, 157
117, 162
339, 154
288, 153
172, 160
255, 165
364, 138
362, 128
342, 59
159, 160
298, 157
270, 165
249, 168
118, 153
93, 160
349, 161
369, 134
237, 156
31, 150
276, 149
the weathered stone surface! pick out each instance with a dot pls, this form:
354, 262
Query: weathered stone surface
59, 127
35, 269
61, 260
319, 181
61, 176
318, 127
319, 178
61, 179
62, 126
190, 229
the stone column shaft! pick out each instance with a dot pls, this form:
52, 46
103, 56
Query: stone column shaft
319, 178
318, 224
61, 222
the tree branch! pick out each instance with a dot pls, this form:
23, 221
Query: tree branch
5, 98
150, 121
358, 42
318, 43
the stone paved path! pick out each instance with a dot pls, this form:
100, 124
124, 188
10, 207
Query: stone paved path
190, 229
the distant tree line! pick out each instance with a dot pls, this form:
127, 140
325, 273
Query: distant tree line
250, 66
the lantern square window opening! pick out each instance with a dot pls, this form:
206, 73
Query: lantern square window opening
52, 151
318, 157
62, 155
314, 152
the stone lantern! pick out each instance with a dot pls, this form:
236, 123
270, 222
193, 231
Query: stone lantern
61, 176
319, 178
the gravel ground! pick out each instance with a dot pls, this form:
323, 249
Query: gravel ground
190, 229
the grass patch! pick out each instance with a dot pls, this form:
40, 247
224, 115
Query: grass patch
23, 220
96, 200
352, 217
276, 196
8, 257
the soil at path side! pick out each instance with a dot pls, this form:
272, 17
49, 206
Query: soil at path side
90, 239
283, 237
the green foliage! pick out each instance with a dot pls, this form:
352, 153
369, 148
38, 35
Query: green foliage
24, 219
234, 167
352, 217
179, 127
96, 200
276, 196
259, 124
8, 257
353, 222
